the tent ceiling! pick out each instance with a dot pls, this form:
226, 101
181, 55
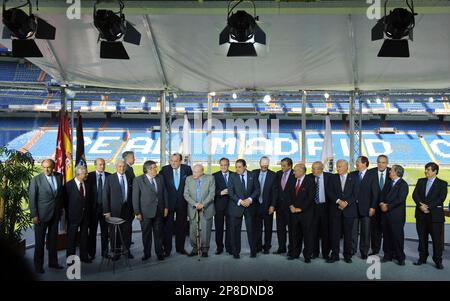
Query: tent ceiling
305, 50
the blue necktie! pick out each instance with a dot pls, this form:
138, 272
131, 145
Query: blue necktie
199, 186
225, 177
99, 189
317, 196
243, 183
428, 187
360, 176
176, 179
381, 181
262, 180
122, 187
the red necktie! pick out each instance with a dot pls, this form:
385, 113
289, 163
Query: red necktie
81, 191
297, 187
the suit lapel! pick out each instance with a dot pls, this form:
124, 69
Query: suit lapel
44, 178
431, 188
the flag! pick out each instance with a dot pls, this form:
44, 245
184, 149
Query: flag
80, 157
60, 153
186, 140
327, 148
68, 150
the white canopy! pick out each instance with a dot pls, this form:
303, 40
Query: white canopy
322, 49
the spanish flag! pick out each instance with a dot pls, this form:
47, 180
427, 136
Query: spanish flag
68, 149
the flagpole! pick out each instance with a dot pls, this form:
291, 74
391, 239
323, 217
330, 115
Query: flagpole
304, 126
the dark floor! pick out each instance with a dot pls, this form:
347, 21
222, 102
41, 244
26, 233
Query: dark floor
265, 267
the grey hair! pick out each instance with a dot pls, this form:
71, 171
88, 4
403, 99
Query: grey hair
264, 158
342, 160
398, 170
79, 168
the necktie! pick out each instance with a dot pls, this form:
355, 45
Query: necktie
225, 177
297, 186
393, 183
283, 180
262, 179
177, 179
428, 187
122, 187
243, 183
81, 191
342, 182
381, 181
199, 186
52, 184
360, 176
99, 189
317, 196
152, 182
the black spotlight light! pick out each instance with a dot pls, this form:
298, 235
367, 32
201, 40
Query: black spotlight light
23, 28
398, 28
112, 26
242, 31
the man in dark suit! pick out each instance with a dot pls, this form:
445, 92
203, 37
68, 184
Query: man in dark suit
77, 211
343, 211
429, 195
128, 157
321, 224
265, 205
45, 199
244, 191
151, 205
393, 216
301, 199
221, 201
175, 176
367, 192
117, 202
95, 183
284, 178
381, 175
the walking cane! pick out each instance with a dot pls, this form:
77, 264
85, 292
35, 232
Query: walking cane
198, 232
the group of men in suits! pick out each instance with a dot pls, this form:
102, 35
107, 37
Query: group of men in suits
313, 211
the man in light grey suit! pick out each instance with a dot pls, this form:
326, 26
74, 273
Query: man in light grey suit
151, 205
199, 193
45, 195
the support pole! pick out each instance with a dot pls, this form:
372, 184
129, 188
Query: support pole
209, 133
303, 159
162, 141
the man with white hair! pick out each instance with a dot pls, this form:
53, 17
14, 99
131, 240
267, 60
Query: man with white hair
117, 202
342, 193
77, 210
199, 193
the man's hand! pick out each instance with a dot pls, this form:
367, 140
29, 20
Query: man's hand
108, 215
384, 207
424, 208
36, 220
245, 203
371, 212
166, 212
198, 206
342, 204
224, 192
293, 209
139, 217
271, 210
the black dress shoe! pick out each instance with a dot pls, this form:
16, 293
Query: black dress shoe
439, 266
130, 256
39, 270
419, 262
386, 259
145, 257
218, 252
183, 252
204, 254
291, 258
56, 266
307, 260
279, 251
160, 257
253, 255
236, 256
400, 262
332, 260
266, 252
348, 260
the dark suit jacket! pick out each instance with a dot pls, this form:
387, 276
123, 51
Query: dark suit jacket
379, 192
221, 201
129, 171
91, 184
435, 199
269, 192
367, 191
112, 197
43, 202
395, 197
349, 195
283, 198
304, 199
76, 206
146, 200
326, 178
237, 192
176, 197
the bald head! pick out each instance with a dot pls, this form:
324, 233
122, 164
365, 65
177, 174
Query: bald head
317, 168
197, 171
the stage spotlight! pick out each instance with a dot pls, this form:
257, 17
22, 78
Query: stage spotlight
112, 26
23, 28
234, 95
398, 28
242, 31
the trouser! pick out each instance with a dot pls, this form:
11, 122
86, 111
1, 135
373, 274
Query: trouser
283, 220
361, 229
204, 233
301, 232
222, 219
394, 239
376, 232
236, 226
72, 233
151, 226
50, 230
96, 219
262, 218
425, 227
340, 224
175, 222
320, 230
